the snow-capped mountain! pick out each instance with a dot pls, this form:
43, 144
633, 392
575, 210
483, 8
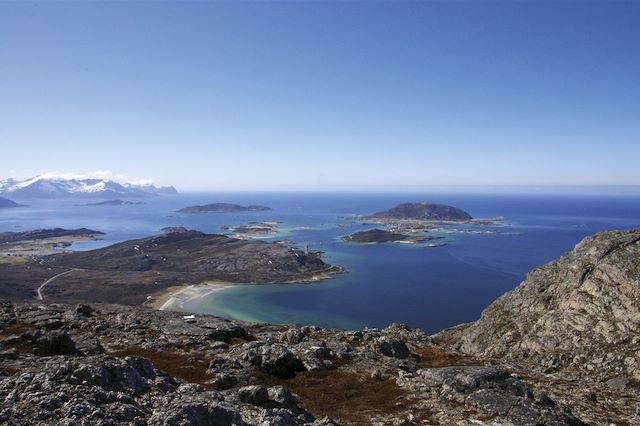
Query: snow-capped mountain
53, 187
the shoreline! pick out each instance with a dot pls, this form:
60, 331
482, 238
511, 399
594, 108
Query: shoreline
177, 296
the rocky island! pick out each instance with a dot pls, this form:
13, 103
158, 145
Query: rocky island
253, 229
223, 208
410, 218
130, 271
375, 236
117, 202
424, 212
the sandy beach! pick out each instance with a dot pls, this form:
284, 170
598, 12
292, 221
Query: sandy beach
175, 298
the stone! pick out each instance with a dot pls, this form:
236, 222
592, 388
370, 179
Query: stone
56, 342
255, 395
391, 347
618, 383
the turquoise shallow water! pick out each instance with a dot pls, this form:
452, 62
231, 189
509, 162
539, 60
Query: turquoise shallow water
430, 288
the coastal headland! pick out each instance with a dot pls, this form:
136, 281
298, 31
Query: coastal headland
131, 271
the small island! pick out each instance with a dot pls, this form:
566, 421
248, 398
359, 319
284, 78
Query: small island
117, 202
253, 229
7, 204
409, 223
377, 236
223, 208
424, 212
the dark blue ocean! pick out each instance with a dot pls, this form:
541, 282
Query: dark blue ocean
427, 287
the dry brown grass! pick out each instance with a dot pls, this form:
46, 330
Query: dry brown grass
237, 341
344, 396
437, 357
188, 366
16, 328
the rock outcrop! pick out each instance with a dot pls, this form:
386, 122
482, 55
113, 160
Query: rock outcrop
117, 365
579, 314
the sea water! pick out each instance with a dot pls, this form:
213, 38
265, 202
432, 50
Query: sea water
427, 287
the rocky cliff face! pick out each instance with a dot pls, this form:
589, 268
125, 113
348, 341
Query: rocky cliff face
579, 314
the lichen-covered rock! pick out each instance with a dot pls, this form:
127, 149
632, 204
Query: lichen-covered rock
275, 359
495, 392
56, 342
578, 314
391, 347
195, 411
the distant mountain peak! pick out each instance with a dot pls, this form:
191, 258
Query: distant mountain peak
52, 186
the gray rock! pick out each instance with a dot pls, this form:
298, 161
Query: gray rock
493, 401
618, 383
41, 317
275, 359
56, 342
391, 347
84, 309
255, 395
197, 413
12, 339
341, 350
283, 397
9, 354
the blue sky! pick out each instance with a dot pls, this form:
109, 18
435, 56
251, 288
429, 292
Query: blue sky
323, 95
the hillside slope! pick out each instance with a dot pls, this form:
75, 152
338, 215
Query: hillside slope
579, 313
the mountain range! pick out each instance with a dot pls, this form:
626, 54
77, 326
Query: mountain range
54, 187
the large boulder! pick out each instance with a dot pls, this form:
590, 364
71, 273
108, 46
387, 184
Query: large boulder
496, 392
275, 359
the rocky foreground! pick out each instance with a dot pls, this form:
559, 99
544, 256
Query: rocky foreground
559, 350
109, 364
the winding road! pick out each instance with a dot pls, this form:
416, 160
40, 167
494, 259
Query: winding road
40, 294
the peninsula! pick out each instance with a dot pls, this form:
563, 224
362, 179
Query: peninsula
130, 271
223, 208
18, 247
